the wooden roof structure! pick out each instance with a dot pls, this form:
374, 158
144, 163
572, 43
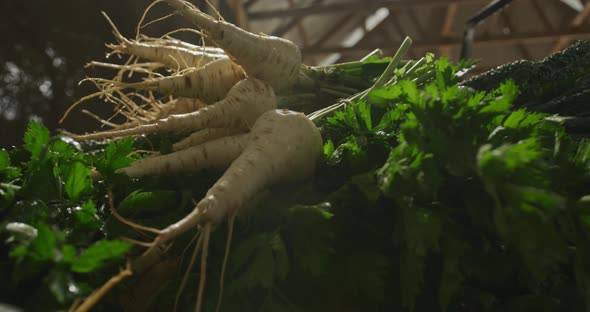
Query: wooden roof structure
340, 30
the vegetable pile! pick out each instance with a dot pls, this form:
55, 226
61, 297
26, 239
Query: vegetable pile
429, 194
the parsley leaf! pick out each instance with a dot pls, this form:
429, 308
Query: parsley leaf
115, 156
77, 179
36, 139
96, 256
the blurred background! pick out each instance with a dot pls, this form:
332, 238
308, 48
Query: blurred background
45, 44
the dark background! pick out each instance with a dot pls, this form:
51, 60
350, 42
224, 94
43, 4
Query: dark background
43, 50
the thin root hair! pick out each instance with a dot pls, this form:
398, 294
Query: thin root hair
86, 98
143, 16
230, 231
203, 273
167, 35
214, 9
99, 119
189, 268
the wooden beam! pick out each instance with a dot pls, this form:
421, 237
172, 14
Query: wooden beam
400, 29
447, 28
363, 25
391, 36
542, 14
582, 16
300, 27
249, 3
285, 27
576, 23
355, 6
330, 32
455, 42
419, 29
240, 13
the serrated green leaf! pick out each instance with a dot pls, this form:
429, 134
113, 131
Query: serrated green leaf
328, 149
95, 256
36, 139
445, 76
12, 173
388, 94
41, 180
513, 120
410, 90
61, 151
85, 217
507, 93
77, 179
351, 148
508, 157
68, 254
43, 247
392, 118
4, 160
364, 113
115, 156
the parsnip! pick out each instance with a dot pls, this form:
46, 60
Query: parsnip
209, 83
181, 105
213, 154
173, 56
268, 58
203, 136
247, 100
282, 146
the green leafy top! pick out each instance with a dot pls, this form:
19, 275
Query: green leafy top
51, 193
462, 157
432, 196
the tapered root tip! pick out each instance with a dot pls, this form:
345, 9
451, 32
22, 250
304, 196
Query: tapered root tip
116, 31
142, 129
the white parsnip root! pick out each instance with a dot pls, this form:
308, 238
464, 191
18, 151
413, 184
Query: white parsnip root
138, 116
174, 57
283, 146
209, 83
272, 59
217, 154
242, 106
225, 100
181, 105
203, 136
